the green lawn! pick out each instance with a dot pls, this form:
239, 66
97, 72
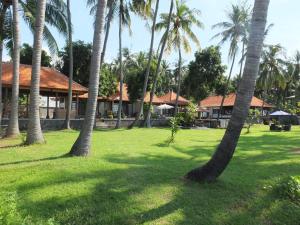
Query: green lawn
131, 177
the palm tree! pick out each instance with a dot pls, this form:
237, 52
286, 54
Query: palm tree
272, 70
70, 43
150, 54
82, 145
157, 72
4, 21
112, 11
224, 152
13, 125
34, 131
124, 20
177, 37
55, 17
235, 31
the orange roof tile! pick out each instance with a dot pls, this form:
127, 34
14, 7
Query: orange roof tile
156, 100
116, 96
215, 101
86, 96
51, 79
170, 98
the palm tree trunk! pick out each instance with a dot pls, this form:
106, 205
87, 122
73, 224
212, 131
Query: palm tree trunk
224, 152
34, 132
242, 62
2, 18
118, 124
13, 124
83, 143
148, 66
179, 81
70, 44
108, 23
226, 87
157, 72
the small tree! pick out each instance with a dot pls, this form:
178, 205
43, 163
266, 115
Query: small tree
252, 118
174, 125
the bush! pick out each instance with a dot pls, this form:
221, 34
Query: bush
174, 125
289, 188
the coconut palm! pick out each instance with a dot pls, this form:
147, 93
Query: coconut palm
178, 36
55, 17
124, 20
150, 54
112, 8
34, 132
272, 74
157, 72
82, 145
5, 27
13, 125
234, 31
70, 43
224, 152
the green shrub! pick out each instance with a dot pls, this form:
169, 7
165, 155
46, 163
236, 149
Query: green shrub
174, 125
289, 188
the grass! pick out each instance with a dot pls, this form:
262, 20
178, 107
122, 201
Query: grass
132, 177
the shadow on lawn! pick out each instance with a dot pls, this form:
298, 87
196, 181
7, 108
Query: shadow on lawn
116, 195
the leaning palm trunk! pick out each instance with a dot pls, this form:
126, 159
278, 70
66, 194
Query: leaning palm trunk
224, 152
70, 44
13, 125
179, 82
107, 30
119, 116
157, 72
83, 143
34, 133
148, 66
226, 88
2, 17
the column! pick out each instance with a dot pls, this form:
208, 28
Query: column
48, 117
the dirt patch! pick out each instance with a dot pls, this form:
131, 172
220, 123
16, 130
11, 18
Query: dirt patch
296, 151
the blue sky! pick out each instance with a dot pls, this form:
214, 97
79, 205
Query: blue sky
283, 13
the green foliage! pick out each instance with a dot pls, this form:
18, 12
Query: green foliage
207, 70
289, 188
174, 127
26, 56
253, 118
108, 81
82, 53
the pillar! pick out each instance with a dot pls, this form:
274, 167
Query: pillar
77, 106
48, 116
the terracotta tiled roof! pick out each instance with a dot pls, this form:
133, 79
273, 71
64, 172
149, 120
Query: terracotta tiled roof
156, 100
116, 96
51, 79
215, 101
170, 98
86, 96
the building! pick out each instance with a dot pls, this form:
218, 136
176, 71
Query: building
53, 89
212, 106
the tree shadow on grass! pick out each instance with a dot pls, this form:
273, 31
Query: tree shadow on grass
146, 188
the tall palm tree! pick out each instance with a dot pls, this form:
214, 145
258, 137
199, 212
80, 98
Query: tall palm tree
112, 8
13, 125
150, 56
224, 152
157, 71
55, 17
82, 145
70, 44
234, 31
34, 131
3, 22
124, 20
272, 73
178, 36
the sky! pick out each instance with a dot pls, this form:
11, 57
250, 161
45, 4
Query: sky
284, 14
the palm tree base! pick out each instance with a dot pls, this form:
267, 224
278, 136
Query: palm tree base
78, 150
201, 174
